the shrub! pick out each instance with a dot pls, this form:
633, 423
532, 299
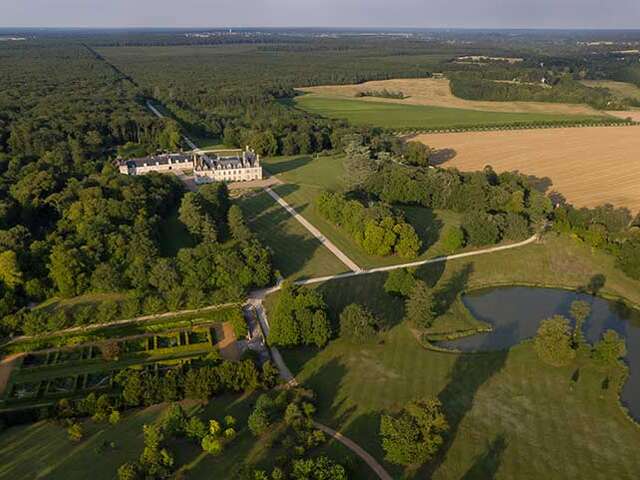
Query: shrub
258, 421
75, 432
420, 306
195, 428
400, 282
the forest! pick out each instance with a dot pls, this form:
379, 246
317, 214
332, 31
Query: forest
71, 224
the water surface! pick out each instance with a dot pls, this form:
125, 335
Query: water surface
515, 314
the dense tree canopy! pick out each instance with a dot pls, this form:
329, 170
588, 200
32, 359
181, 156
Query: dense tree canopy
414, 436
553, 342
300, 318
378, 229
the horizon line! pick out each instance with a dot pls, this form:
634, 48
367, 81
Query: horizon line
309, 27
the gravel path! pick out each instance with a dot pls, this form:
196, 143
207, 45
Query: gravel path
315, 232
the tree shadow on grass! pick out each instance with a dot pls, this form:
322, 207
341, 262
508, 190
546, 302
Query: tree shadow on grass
541, 184
326, 382
287, 165
367, 291
286, 189
431, 273
468, 374
291, 252
453, 287
426, 224
486, 465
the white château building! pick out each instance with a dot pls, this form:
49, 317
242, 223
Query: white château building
213, 166
227, 166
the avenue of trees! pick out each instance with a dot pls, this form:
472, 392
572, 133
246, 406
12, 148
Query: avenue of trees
70, 224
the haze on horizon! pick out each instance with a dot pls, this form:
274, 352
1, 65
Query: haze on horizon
587, 14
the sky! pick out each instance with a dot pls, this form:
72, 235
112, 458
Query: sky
322, 13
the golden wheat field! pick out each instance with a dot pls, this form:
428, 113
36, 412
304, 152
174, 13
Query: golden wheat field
589, 166
436, 92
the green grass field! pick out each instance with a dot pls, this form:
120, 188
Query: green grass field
391, 115
306, 177
511, 416
174, 235
43, 450
296, 253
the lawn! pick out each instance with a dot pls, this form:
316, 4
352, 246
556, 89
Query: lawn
428, 224
296, 253
173, 235
43, 450
322, 171
391, 115
511, 416
307, 177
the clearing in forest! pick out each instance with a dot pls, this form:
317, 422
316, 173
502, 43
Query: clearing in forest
436, 92
588, 166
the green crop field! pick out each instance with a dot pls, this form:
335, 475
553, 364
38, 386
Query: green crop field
503, 407
391, 115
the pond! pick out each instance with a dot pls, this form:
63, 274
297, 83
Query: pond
515, 314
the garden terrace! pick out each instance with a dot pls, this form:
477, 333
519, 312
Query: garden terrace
72, 372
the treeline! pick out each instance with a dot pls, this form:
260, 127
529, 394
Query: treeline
377, 228
384, 93
606, 227
61, 98
566, 90
496, 207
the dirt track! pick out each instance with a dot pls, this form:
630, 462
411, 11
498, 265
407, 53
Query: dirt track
589, 166
436, 92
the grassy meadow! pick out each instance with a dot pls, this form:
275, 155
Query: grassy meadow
392, 115
43, 451
296, 253
307, 177
511, 416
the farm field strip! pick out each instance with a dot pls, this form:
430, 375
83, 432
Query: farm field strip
588, 166
437, 93
406, 116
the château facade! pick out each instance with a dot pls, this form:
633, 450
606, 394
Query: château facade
213, 166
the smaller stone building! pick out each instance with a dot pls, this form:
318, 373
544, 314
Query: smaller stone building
156, 163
